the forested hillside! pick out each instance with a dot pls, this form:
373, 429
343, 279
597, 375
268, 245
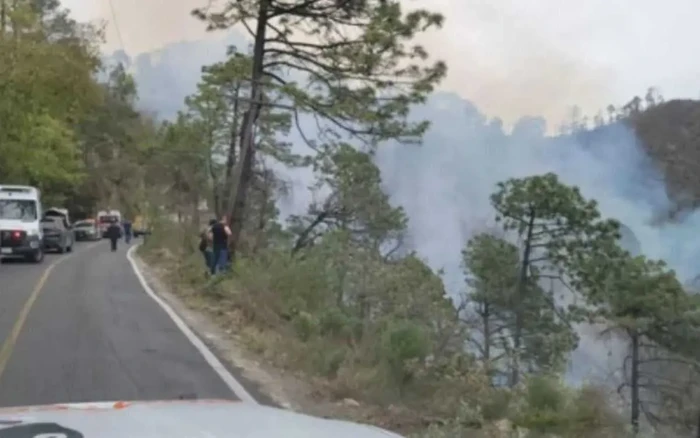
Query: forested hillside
670, 134
372, 318
348, 290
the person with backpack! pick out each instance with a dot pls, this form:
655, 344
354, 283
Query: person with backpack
205, 244
219, 234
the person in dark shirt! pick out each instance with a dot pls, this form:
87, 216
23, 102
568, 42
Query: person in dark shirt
219, 234
113, 233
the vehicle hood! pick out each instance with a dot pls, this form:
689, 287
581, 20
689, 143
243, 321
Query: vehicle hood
58, 212
174, 419
13, 224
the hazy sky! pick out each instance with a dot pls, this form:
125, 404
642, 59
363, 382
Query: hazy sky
511, 57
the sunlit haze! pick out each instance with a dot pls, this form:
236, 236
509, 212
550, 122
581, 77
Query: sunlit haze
510, 57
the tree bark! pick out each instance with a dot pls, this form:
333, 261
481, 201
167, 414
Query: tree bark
521, 290
245, 165
302, 239
634, 411
234, 137
3, 17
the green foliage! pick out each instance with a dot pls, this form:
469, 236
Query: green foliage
46, 82
548, 408
492, 266
559, 230
329, 361
642, 294
554, 216
116, 143
305, 325
176, 165
645, 305
76, 139
351, 311
403, 342
356, 202
361, 72
641, 301
335, 323
218, 110
544, 408
360, 75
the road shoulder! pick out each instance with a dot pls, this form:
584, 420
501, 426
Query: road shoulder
262, 383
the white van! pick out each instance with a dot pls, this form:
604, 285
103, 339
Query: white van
20, 222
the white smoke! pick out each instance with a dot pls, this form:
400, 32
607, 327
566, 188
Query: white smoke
445, 184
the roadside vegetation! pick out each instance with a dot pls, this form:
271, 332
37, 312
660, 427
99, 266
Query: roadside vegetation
336, 294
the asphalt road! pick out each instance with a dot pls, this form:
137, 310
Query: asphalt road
83, 329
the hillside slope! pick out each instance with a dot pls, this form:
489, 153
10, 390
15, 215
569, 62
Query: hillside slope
670, 134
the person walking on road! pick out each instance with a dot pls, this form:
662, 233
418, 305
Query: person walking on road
219, 234
113, 233
127, 231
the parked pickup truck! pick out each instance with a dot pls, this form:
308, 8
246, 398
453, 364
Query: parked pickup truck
57, 235
87, 229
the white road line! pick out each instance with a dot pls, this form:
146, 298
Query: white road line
208, 355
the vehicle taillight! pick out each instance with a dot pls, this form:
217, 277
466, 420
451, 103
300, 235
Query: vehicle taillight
16, 235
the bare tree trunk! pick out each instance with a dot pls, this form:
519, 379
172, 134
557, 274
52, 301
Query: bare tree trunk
3, 17
634, 414
486, 318
238, 216
215, 183
231, 156
195, 211
248, 132
522, 286
13, 22
302, 240
262, 215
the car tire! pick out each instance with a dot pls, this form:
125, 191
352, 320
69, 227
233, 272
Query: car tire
70, 247
61, 249
37, 256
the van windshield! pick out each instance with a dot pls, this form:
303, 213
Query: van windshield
108, 219
18, 209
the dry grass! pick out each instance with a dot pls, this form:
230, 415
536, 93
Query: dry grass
256, 325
